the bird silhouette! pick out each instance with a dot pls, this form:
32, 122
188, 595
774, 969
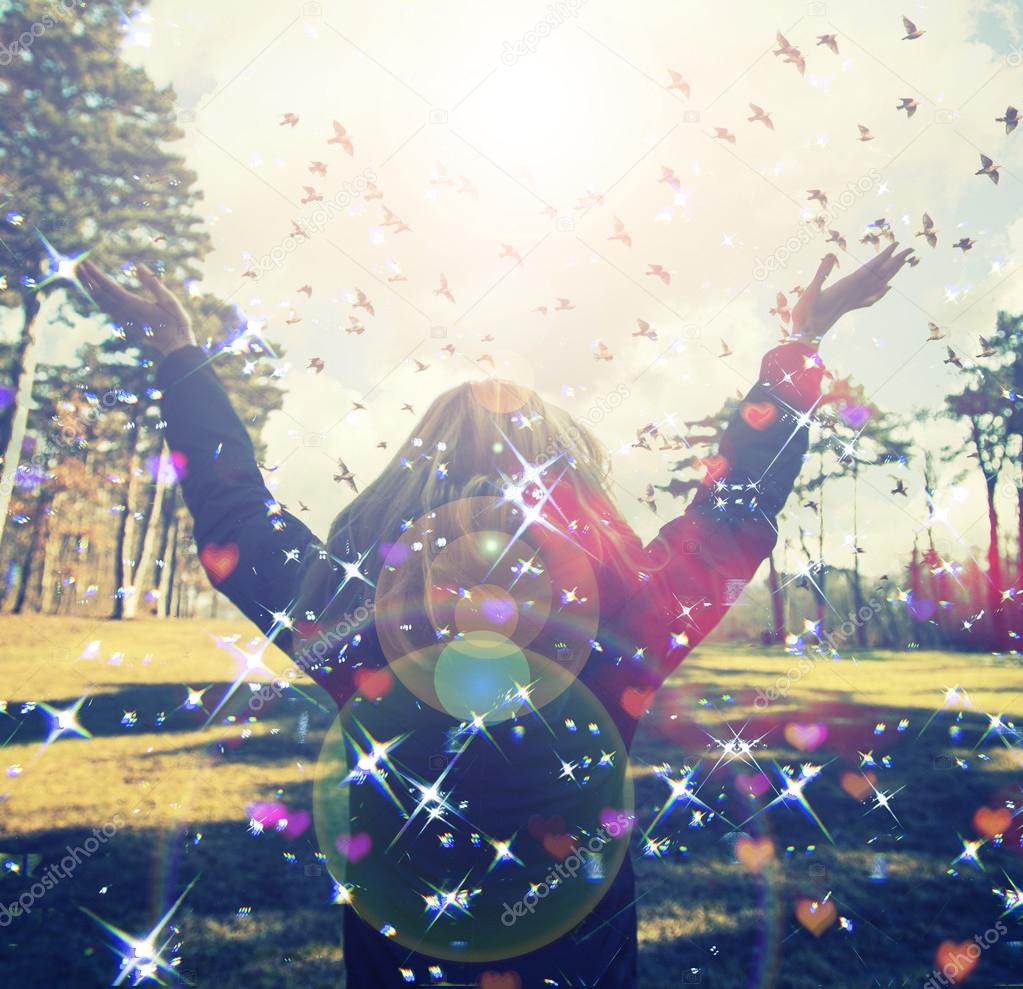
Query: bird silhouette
724, 134
935, 332
1011, 119
603, 353
344, 475
726, 350
289, 120
645, 330
953, 358
987, 348
444, 290
362, 302
964, 244
306, 290
819, 196
988, 168
865, 134
908, 104
900, 487
830, 40
668, 175
649, 499
408, 408
564, 305
658, 271
311, 195
316, 364
420, 366
341, 137
355, 326
928, 233
507, 251
318, 167
679, 83
621, 233
761, 115
912, 31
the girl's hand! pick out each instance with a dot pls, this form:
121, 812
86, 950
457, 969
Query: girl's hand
159, 323
818, 308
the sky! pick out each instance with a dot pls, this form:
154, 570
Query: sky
491, 125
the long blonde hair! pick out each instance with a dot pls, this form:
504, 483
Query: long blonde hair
471, 440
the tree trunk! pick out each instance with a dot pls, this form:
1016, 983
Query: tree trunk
777, 602
857, 587
140, 574
23, 374
994, 571
168, 571
125, 539
36, 540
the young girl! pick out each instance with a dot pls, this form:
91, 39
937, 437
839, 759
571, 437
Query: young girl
492, 631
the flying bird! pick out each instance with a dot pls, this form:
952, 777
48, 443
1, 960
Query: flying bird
444, 290
297, 230
928, 233
645, 330
372, 192
791, 53
935, 332
362, 302
1011, 119
964, 244
724, 134
318, 167
819, 196
908, 104
659, 271
420, 366
649, 499
306, 290
900, 487
564, 305
987, 348
831, 40
621, 233
355, 326
760, 114
668, 175
289, 120
726, 351
311, 195
953, 358
865, 134
988, 168
345, 475
834, 237
679, 83
781, 309
507, 251
912, 31
603, 353
315, 364
408, 408
341, 137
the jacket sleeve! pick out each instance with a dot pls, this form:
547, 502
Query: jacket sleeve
699, 563
254, 552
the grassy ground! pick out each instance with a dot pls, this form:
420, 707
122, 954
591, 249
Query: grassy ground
255, 919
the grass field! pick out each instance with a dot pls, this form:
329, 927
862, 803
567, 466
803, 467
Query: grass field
157, 781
